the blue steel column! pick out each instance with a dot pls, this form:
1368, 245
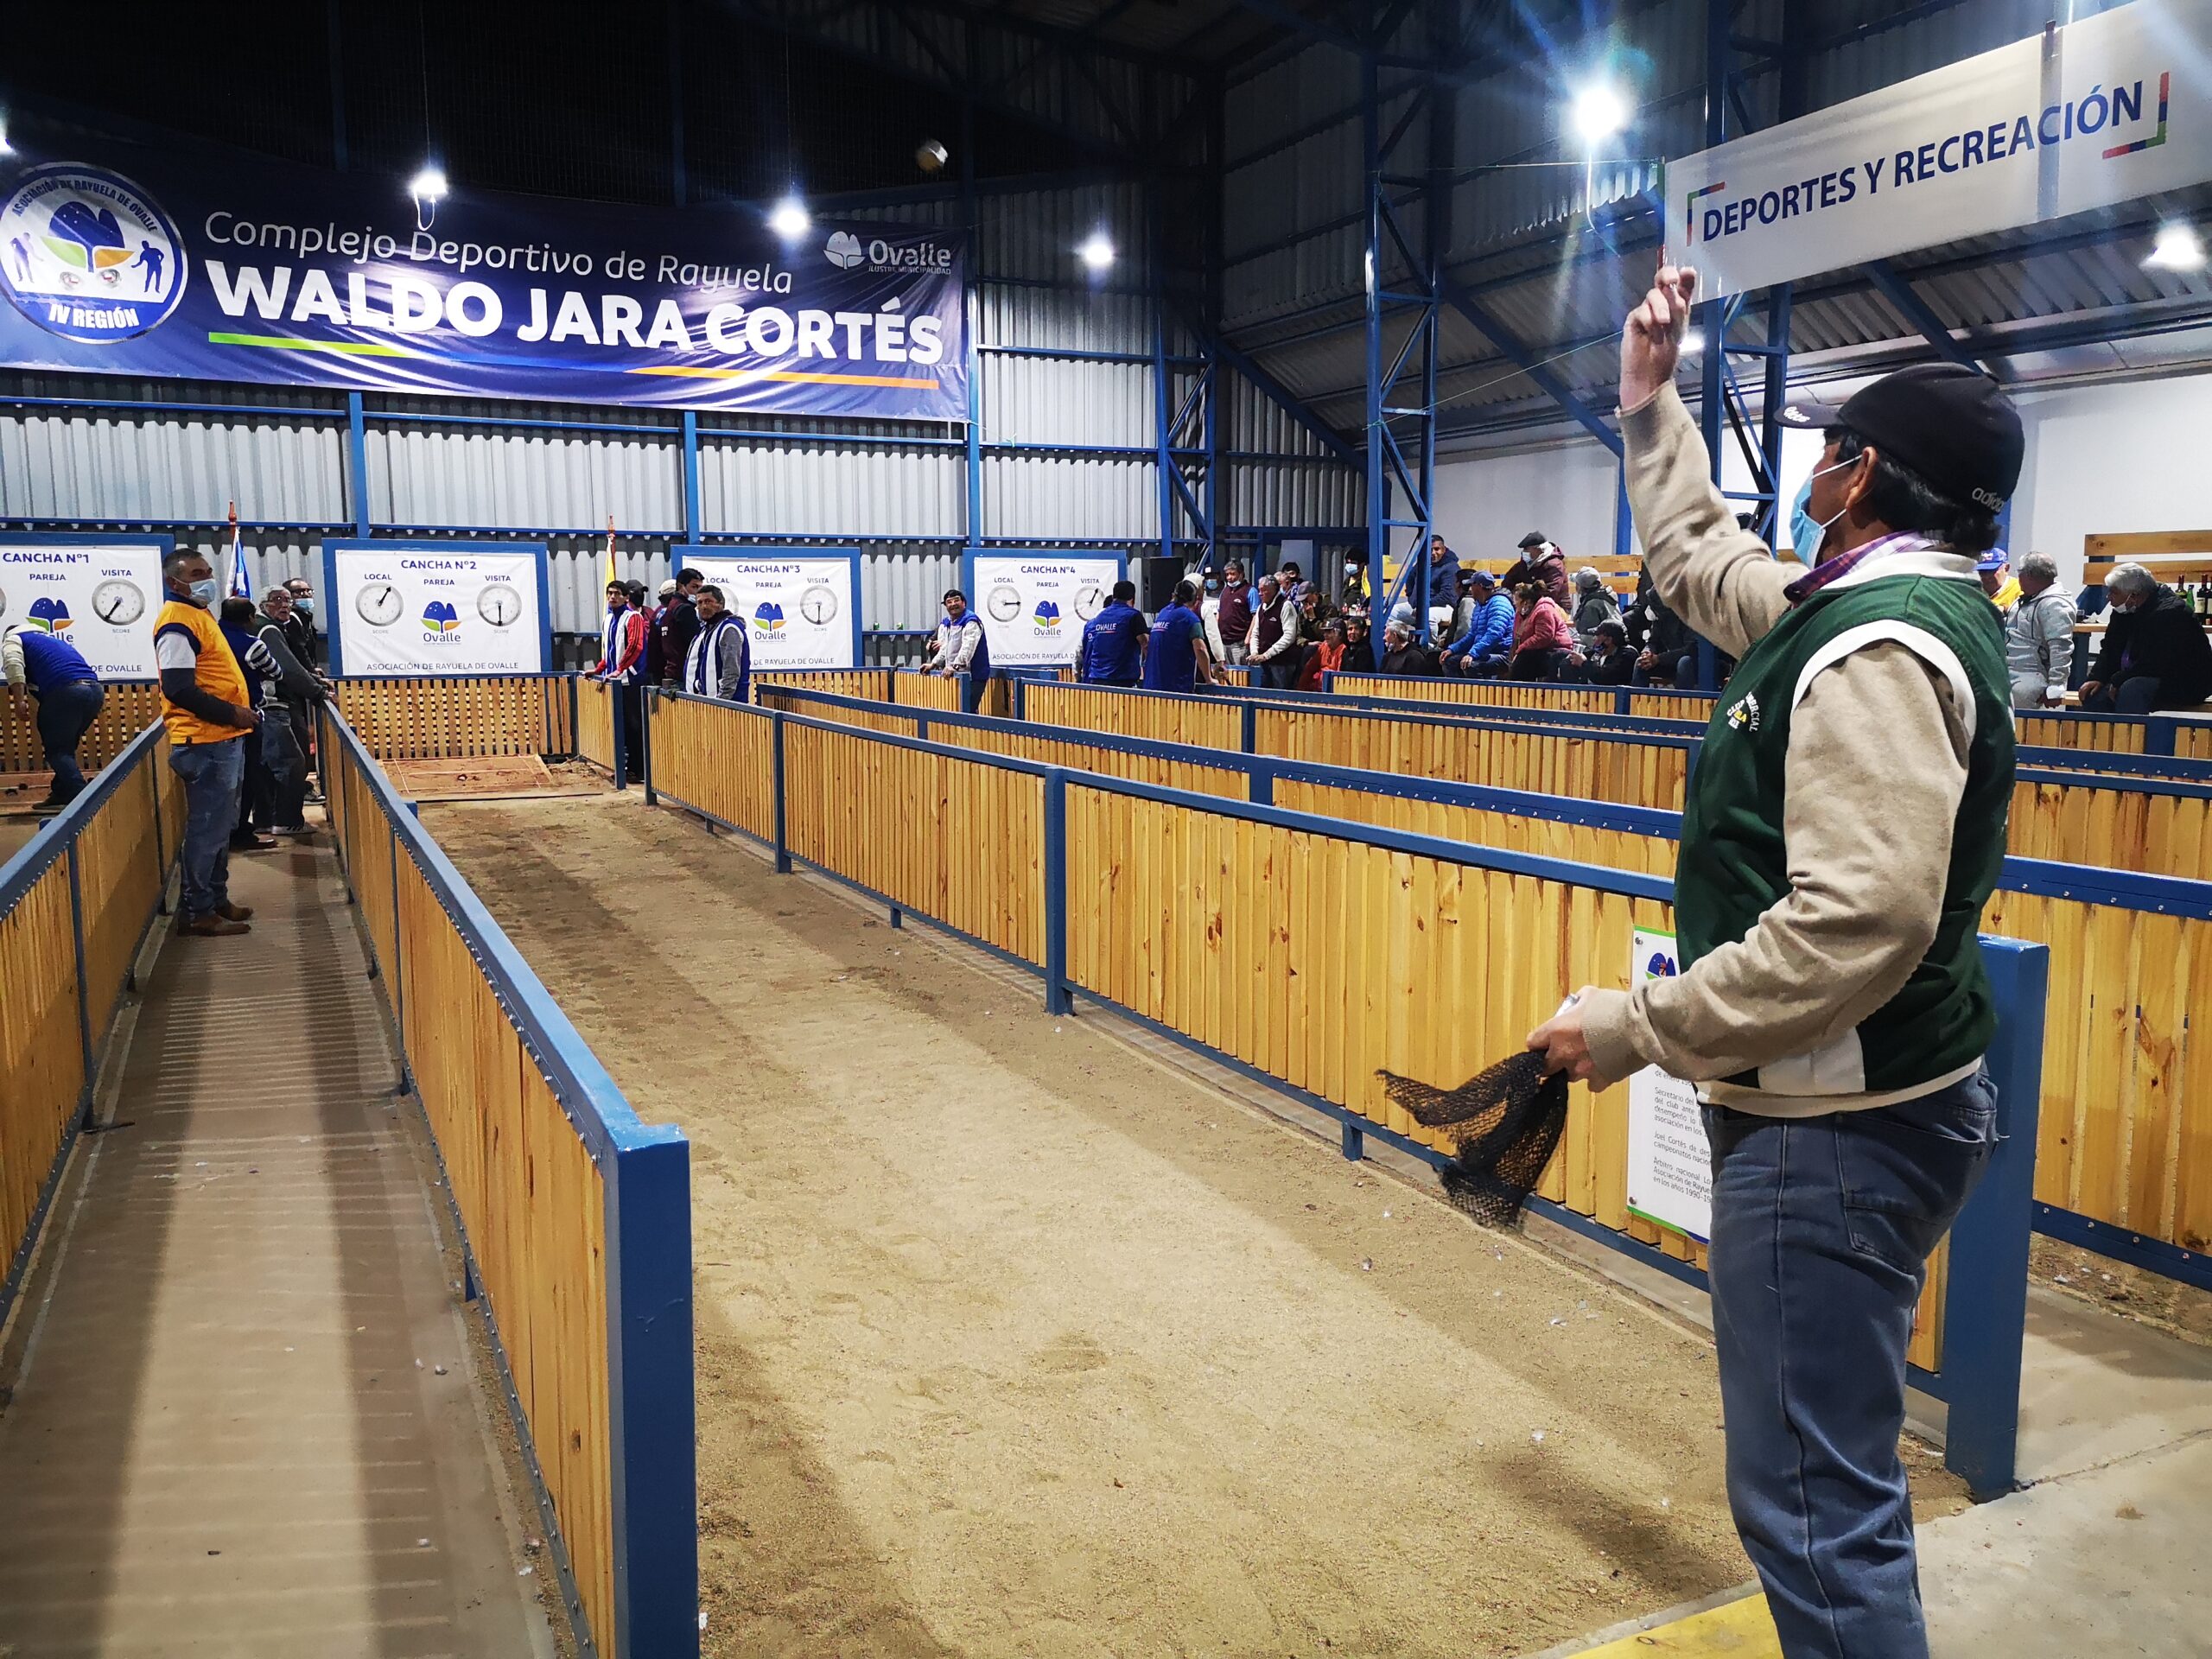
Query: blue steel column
1218, 142
1162, 415
357, 461
1378, 492
691, 517
970, 305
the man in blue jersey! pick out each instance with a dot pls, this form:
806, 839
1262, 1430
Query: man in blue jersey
69, 697
1113, 644
1176, 659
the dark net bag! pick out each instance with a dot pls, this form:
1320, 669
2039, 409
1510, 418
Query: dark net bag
1503, 1123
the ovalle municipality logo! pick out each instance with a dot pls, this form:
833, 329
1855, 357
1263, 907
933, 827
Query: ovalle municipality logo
440, 619
844, 250
87, 255
769, 618
51, 616
1048, 616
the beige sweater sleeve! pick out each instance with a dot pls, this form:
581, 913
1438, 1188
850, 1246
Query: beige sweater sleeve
1875, 771
1719, 579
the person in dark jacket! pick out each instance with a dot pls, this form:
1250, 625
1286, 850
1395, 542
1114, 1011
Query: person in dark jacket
1403, 655
67, 691
1443, 587
238, 620
1359, 649
289, 691
1544, 561
1606, 660
2155, 655
678, 624
299, 623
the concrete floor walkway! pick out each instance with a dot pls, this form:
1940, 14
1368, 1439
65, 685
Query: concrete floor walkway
244, 1417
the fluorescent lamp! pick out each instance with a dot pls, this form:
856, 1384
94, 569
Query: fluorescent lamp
790, 220
2178, 248
1098, 253
1598, 112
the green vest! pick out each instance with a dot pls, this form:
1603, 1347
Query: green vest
1733, 864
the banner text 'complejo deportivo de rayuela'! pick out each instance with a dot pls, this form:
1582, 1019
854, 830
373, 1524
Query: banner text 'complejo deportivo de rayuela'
130, 263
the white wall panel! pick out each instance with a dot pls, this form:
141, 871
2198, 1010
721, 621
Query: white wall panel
99, 465
1070, 499
523, 478
790, 486
1485, 506
1059, 400
2112, 457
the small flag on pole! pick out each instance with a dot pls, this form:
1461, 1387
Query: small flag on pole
609, 573
241, 587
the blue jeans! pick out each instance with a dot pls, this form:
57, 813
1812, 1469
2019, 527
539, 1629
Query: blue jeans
212, 773
283, 789
2137, 694
64, 713
1821, 1230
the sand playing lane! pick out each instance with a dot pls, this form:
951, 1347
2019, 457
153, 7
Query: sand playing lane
1013, 1341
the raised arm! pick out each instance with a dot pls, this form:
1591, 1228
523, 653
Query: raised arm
1721, 579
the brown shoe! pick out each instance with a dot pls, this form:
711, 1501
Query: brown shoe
230, 912
213, 925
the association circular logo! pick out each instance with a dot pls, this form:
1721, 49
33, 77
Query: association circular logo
87, 255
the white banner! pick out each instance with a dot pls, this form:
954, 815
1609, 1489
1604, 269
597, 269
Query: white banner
1034, 605
101, 597
404, 608
799, 610
2121, 108
1670, 1160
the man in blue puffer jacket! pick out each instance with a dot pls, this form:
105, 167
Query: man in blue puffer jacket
69, 696
1488, 642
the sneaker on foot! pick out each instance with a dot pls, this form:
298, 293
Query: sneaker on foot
295, 831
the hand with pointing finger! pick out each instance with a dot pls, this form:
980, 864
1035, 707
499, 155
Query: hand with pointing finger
1651, 343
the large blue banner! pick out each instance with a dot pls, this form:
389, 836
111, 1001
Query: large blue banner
136, 265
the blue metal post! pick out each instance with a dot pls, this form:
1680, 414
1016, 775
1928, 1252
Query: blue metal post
84, 987
649, 1333
1162, 419
621, 741
1986, 1300
648, 709
1248, 729
396, 969
1057, 1000
776, 773
1378, 488
971, 306
691, 477
356, 463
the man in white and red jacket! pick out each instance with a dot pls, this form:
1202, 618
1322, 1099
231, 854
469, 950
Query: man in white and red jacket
622, 665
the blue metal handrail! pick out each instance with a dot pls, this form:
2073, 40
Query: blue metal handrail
645, 1173
1986, 1298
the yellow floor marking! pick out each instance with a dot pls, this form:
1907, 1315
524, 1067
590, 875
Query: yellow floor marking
1742, 1629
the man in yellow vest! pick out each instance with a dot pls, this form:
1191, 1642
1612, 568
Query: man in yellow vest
204, 704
